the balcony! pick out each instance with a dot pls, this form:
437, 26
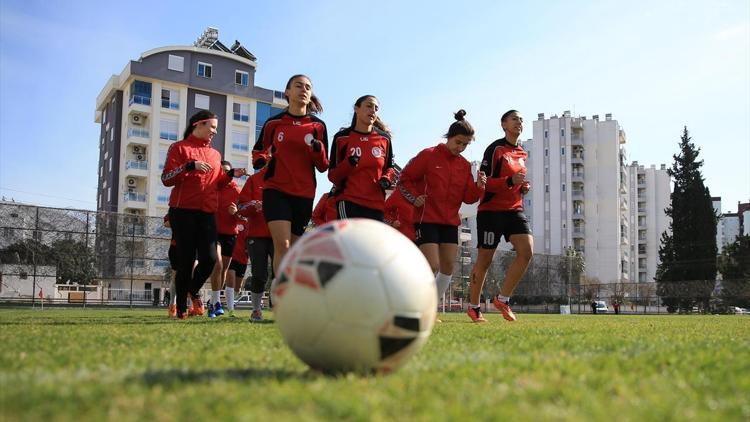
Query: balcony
134, 132
577, 194
578, 233
243, 148
577, 214
576, 158
136, 165
134, 198
641, 210
576, 176
576, 139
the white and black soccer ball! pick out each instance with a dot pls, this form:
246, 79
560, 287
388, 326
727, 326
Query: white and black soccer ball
354, 295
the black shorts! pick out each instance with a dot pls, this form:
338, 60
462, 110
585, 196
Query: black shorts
239, 269
348, 209
280, 206
491, 225
435, 233
227, 243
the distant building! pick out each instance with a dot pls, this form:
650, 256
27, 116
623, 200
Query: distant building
145, 108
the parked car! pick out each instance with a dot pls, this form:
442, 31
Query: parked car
601, 307
737, 310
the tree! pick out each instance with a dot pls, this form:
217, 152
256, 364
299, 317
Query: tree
687, 271
734, 266
75, 262
27, 252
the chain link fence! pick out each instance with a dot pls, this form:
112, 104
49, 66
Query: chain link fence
64, 256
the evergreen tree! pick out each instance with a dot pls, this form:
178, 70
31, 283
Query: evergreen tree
734, 266
687, 272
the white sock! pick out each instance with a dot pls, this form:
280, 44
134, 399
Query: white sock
473, 305
173, 292
215, 296
256, 298
230, 298
442, 281
503, 299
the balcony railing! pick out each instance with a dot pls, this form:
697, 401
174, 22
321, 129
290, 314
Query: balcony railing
139, 99
168, 136
138, 133
134, 197
240, 147
136, 164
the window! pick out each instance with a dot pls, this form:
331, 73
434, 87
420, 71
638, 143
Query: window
140, 93
176, 63
562, 133
111, 135
104, 115
170, 98
204, 70
168, 130
240, 141
278, 94
241, 112
563, 187
109, 194
162, 158
163, 196
202, 101
263, 113
23, 275
545, 134
546, 152
110, 164
562, 151
241, 78
546, 188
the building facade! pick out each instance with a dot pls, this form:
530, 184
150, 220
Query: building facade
649, 198
145, 109
580, 196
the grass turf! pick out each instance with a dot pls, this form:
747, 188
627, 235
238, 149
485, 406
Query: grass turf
137, 365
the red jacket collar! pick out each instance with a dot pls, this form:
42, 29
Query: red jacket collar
443, 150
198, 141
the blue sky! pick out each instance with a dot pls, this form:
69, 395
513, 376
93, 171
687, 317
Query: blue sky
656, 66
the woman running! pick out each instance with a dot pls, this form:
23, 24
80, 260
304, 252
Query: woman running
361, 163
194, 170
437, 181
399, 214
325, 209
500, 213
293, 144
259, 242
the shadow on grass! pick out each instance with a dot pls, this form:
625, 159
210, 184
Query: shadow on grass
180, 376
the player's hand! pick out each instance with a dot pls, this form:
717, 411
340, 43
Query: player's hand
353, 160
525, 188
519, 178
384, 183
239, 172
259, 163
481, 180
203, 166
316, 145
396, 224
232, 209
420, 200
258, 205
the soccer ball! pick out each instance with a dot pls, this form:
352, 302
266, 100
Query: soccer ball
354, 296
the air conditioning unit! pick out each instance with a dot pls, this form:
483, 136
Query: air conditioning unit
132, 182
137, 119
138, 149
140, 157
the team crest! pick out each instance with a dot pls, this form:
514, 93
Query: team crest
377, 152
308, 139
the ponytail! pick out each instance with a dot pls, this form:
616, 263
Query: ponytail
461, 126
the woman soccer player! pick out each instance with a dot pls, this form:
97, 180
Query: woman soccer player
500, 213
325, 209
227, 228
437, 181
259, 242
194, 170
293, 144
361, 163
399, 213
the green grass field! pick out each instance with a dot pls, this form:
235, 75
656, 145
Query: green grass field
138, 365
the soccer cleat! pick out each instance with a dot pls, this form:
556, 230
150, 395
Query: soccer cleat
256, 316
218, 309
475, 315
504, 309
178, 316
197, 309
211, 310
173, 311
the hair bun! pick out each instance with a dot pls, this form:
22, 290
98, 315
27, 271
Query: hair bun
459, 115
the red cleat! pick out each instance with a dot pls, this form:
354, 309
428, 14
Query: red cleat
197, 309
504, 309
173, 311
475, 315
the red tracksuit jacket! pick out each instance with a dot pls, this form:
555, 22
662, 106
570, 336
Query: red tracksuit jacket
285, 144
501, 161
447, 181
239, 254
251, 194
359, 184
225, 222
193, 189
397, 208
325, 210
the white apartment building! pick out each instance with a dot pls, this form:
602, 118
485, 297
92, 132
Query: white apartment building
145, 109
580, 192
649, 196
